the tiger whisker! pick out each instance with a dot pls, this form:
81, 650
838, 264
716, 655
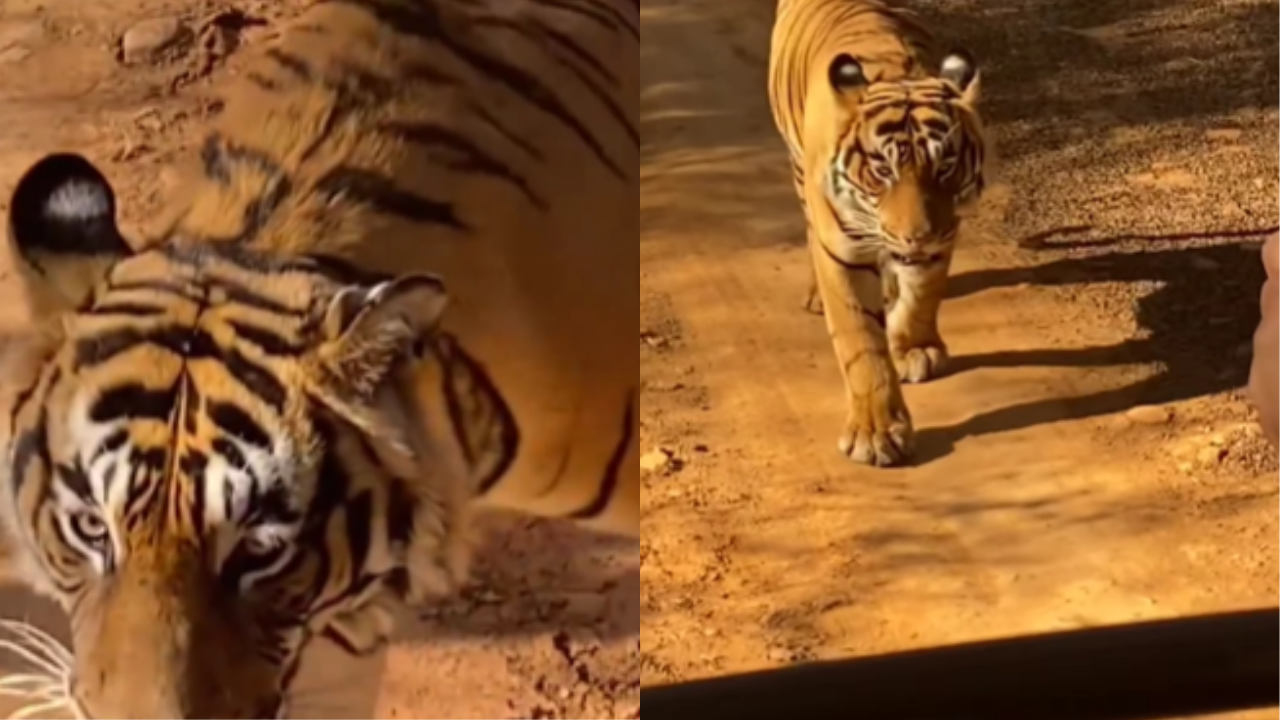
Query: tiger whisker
33, 709
51, 668
12, 686
45, 689
40, 638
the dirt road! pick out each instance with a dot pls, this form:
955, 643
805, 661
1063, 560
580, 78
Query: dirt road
1114, 266
551, 628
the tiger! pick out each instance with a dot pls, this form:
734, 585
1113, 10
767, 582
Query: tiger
887, 147
395, 287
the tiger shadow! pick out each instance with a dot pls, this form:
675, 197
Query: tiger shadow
1199, 331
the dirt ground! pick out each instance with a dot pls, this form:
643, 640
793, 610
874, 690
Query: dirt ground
1114, 267
551, 628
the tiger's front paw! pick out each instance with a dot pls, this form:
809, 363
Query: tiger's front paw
921, 363
880, 435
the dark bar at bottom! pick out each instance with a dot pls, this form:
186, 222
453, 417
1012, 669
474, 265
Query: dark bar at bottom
1142, 671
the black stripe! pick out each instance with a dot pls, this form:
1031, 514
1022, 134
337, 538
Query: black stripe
334, 635
603, 15
267, 341
497, 432
259, 211
422, 21
230, 454
873, 268
20, 402
401, 507
191, 404
875, 316
199, 258
75, 479
255, 379
292, 64
133, 401
232, 420
105, 346
613, 471
193, 466
331, 484
432, 77
344, 271
219, 156
193, 344
179, 289
32, 445
359, 516
936, 125
262, 81
475, 158
379, 192
606, 99
274, 503
133, 309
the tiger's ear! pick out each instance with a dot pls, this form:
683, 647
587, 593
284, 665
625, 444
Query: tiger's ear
845, 75
959, 69
62, 229
365, 332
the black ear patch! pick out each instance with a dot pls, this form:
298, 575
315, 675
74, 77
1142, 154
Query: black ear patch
64, 205
959, 69
845, 73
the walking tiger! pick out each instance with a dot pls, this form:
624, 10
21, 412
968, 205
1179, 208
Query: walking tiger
887, 150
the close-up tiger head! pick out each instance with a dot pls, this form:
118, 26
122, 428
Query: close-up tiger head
909, 156
213, 455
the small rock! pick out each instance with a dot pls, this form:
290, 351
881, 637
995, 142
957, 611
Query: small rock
653, 340
1149, 415
151, 40
655, 460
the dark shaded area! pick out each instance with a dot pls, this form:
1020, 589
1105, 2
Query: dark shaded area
1197, 323
1048, 67
1141, 671
1051, 67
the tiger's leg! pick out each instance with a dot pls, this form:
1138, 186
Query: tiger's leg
915, 294
878, 429
812, 298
